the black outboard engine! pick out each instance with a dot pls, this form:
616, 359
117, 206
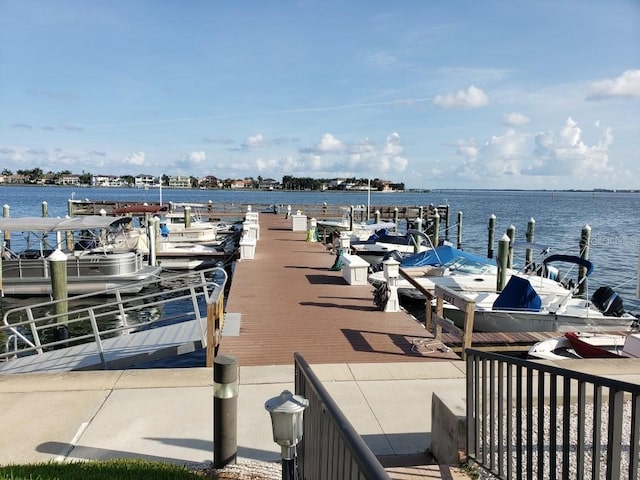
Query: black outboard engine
608, 302
395, 254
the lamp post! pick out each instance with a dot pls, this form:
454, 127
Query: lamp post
286, 412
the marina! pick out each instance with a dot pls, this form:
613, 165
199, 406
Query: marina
250, 282
286, 299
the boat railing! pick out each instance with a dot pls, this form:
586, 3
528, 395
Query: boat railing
38, 328
527, 419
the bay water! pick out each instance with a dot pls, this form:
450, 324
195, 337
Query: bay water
560, 216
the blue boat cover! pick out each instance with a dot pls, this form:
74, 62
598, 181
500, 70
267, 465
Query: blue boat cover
443, 255
518, 294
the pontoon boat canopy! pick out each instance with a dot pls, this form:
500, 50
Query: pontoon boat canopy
39, 224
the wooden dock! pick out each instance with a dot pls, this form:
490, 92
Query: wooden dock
289, 300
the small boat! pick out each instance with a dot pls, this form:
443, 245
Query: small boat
443, 265
174, 228
357, 230
381, 242
529, 302
92, 264
180, 255
588, 345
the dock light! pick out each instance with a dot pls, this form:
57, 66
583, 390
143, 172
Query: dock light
345, 242
286, 412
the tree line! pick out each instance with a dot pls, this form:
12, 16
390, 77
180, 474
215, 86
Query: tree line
289, 182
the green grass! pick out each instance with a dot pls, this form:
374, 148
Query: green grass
111, 469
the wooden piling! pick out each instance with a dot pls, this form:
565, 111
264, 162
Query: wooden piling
446, 221
511, 233
59, 286
153, 234
503, 259
436, 229
528, 255
187, 216
585, 240
459, 243
7, 234
45, 214
491, 233
351, 212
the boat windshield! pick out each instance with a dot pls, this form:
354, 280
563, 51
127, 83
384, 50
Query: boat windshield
467, 265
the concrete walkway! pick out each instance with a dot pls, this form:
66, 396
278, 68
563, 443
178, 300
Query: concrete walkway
167, 414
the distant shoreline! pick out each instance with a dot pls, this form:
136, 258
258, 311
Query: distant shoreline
359, 192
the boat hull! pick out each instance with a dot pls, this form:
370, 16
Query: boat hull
510, 321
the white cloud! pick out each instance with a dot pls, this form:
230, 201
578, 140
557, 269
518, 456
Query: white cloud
196, 158
565, 153
137, 158
500, 155
468, 149
473, 97
255, 141
561, 153
515, 119
626, 85
329, 143
270, 165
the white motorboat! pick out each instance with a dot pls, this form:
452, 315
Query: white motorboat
91, 264
382, 242
181, 255
357, 230
528, 302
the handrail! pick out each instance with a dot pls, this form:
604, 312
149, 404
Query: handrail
330, 446
29, 328
527, 419
443, 294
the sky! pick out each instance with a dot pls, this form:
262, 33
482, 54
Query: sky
433, 94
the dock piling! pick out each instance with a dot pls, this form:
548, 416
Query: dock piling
491, 233
503, 259
59, 287
585, 240
436, 229
7, 234
511, 233
528, 259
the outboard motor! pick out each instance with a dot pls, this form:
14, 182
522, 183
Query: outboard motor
395, 254
608, 302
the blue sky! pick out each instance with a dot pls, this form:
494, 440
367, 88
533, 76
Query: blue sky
434, 94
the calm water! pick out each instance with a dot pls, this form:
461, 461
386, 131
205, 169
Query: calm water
560, 216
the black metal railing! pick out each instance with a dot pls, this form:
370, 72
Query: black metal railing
330, 449
530, 420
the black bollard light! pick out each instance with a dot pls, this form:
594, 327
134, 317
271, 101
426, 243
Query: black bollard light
225, 411
286, 412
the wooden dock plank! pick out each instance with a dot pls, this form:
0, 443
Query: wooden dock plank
290, 301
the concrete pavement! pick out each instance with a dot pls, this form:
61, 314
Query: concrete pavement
167, 414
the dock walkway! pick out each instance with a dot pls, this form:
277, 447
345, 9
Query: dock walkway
289, 300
